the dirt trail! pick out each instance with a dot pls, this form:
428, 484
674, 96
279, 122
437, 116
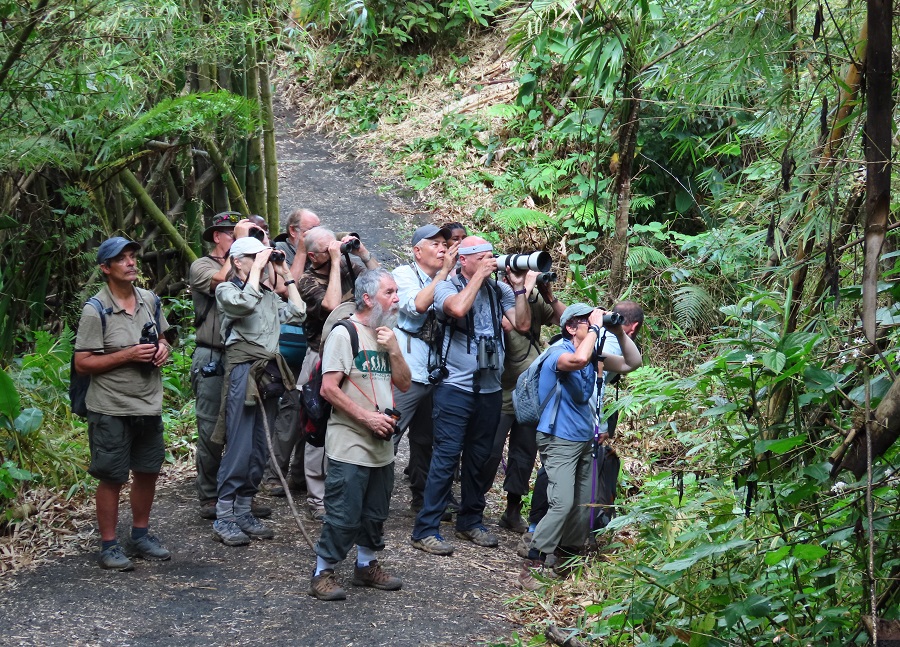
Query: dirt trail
209, 594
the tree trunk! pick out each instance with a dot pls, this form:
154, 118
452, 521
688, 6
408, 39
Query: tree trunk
271, 158
627, 142
878, 152
885, 429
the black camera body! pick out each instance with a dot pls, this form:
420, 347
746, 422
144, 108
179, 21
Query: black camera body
148, 336
487, 354
212, 369
277, 256
438, 375
613, 319
350, 246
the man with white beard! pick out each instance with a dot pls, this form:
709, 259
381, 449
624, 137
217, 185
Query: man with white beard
358, 438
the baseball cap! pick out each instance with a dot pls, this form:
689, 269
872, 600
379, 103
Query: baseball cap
246, 246
112, 247
429, 231
222, 222
574, 310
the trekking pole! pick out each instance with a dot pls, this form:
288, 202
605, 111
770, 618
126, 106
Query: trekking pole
284, 484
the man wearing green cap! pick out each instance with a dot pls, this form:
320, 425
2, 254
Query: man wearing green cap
120, 344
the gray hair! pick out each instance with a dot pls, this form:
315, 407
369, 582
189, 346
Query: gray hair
317, 239
369, 282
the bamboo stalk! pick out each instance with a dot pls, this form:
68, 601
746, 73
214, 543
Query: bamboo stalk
134, 187
271, 157
234, 191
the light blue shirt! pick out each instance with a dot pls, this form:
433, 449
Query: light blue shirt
410, 281
574, 414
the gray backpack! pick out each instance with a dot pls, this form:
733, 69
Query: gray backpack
526, 398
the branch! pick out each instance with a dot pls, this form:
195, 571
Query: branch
16, 51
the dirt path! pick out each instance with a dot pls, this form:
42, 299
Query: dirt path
209, 594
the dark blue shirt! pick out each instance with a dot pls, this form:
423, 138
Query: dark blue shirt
574, 414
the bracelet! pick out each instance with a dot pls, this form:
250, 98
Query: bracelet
518, 292
289, 282
594, 329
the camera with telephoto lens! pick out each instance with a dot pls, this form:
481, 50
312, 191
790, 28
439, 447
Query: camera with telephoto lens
536, 261
487, 354
277, 256
395, 414
612, 319
257, 233
350, 246
546, 277
213, 369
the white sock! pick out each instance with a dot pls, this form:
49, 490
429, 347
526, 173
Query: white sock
322, 565
364, 556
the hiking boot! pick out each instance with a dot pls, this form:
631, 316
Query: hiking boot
512, 520
229, 533
208, 510
253, 527
479, 536
149, 548
524, 545
325, 587
114, 559
566, 562
531, 577
318, 514
259, 510
373, 575
433, 544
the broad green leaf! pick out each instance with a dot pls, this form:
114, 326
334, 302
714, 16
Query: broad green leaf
775, 556
774, 361
29, 421
779, 445
809, 551
703, 551
9, 397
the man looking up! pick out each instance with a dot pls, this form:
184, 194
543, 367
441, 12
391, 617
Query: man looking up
416, 328
327, 281
299, 222
113, 348
566, 429
467, 402
358, 439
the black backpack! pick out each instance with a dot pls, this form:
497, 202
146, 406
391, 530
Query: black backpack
316, 408
79, 383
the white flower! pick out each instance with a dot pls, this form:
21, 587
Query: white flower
748, 360
838, 488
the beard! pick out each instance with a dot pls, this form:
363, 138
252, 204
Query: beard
378, 317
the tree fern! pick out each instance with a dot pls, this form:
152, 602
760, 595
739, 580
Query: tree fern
516, 218
642, 257
694, 307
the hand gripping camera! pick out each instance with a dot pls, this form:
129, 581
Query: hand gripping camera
395, 414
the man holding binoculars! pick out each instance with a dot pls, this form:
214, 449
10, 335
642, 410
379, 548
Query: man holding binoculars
467, 398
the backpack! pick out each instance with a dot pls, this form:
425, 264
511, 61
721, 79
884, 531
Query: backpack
526, 396
78, 382
317, 408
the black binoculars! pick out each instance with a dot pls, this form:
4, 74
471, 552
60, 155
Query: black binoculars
546, 277
438, 375
212, 369
350, 246
613, 319
395, 414
277, 256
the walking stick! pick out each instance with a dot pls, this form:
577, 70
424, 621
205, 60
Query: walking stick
284, 484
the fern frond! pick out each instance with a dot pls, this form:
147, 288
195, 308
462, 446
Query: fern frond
519, 217
694, 307
189, 116
641, 257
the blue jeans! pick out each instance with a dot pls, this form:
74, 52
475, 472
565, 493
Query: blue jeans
464, 424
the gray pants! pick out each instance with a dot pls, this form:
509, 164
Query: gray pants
314, 462
246, 449
357, 500
568, 466
415, 408
285, 440
208, 394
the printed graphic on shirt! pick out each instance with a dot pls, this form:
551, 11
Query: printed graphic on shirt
377, 363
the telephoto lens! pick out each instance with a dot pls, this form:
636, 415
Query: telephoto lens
350, 246
613, 319
535, 261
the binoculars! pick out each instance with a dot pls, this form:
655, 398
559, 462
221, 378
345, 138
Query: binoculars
257, 233
613, 319
546, 277
395, 414
350, 245
277, 256
536, 261
148, 336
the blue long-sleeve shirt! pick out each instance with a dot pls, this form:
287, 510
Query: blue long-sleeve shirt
574, 415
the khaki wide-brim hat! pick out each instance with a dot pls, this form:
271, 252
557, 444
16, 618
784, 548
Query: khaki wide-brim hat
343, 311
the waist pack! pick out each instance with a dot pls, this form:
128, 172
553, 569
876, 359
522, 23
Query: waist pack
526, 396
270, 382
316, 409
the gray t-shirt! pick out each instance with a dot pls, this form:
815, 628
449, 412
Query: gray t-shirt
462, 356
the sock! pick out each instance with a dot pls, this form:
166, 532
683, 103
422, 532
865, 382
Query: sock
531, 527
225, 509
107, 543
242, 505
137, 533
364, 556
322, 565
536, 556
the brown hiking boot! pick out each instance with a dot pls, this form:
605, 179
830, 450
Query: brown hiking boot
373, 575
527, 579
324, 586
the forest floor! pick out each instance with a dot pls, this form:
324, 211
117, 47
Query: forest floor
209, 594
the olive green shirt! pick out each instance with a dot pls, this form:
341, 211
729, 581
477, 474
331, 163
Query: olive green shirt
204, 297
254, 315
131, 389
523, 349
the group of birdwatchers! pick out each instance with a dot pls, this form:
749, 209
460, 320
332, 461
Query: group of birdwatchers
431, 350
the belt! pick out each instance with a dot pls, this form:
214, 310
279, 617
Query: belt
210, 346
